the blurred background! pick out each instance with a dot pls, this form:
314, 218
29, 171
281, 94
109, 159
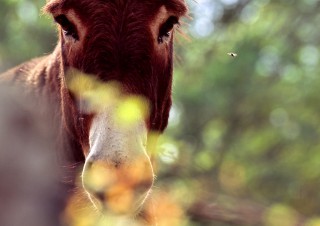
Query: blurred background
243, 146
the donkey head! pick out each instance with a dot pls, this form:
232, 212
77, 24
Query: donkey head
130, 42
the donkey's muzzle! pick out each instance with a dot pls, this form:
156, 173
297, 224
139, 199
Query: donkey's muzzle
118, 187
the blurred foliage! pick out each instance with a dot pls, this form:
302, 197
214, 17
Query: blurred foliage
244, 131
24, 32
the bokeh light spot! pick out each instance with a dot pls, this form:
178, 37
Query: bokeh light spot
169, 153
27, 11
282, 215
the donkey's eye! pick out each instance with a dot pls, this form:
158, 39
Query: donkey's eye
68, 28
166, 29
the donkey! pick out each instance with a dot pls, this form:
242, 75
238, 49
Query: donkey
127, 41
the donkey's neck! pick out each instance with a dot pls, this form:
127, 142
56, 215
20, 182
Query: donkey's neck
55, 72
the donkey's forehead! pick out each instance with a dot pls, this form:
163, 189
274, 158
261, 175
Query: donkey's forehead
177, 7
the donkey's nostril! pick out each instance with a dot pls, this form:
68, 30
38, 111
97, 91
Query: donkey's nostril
97, 176
89, 164
100, 195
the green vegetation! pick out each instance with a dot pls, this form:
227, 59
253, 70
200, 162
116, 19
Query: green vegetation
245, 131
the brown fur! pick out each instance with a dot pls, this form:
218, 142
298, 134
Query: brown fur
118, 46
